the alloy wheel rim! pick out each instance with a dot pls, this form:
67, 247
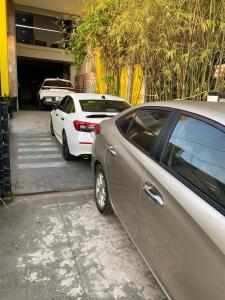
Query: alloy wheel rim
100, 190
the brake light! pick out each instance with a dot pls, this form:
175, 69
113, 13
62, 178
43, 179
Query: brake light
84, 126
97, 129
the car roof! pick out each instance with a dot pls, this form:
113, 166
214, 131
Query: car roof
89, 96
211, 110
57, 79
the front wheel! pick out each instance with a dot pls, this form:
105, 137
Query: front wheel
66, 151
101, 192
51, 128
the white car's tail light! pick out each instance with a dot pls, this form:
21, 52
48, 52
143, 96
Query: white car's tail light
97, 129
84, 126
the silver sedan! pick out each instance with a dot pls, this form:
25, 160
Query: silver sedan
161, 168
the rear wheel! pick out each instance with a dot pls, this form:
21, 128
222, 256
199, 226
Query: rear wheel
66, 151
51, 128
101, 192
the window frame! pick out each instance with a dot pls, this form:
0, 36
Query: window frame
165, 142
154, 154
69, 98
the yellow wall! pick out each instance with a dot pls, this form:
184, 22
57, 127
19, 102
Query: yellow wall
137, 88
137, 83
124, 82
3, 50
101, 86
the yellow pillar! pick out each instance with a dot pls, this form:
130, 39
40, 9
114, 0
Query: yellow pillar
4, 75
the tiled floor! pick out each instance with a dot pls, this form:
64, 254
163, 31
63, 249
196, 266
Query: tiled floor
59, 247
36, 158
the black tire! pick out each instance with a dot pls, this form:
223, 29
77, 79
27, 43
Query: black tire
41, 105
51, 128
105, 209
66, 150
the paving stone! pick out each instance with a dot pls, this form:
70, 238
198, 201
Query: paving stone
41, 291
16, 294
65, 268
126, 291
11, 280
70, 288
44, 255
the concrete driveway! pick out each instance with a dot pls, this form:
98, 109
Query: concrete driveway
36, 158
55, 245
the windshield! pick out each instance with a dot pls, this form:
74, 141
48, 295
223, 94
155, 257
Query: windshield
58, 83
107, 106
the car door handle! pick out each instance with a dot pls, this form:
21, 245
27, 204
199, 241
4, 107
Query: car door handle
112, 150
153, 193
62, 119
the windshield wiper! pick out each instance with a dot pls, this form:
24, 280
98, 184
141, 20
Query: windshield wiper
100, 116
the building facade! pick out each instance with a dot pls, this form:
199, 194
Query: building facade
30, 35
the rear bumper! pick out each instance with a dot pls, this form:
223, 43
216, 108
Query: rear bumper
82, 144
50, 101
81, 149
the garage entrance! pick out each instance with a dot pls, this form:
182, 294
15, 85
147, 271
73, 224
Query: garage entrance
31, 74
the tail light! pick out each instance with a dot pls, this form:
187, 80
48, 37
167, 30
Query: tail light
84, 126
97, 129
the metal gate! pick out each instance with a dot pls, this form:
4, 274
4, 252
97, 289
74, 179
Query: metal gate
5, 176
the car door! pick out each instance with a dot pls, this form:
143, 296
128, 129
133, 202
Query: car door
181, 229
56, 120
63, 115
125, 163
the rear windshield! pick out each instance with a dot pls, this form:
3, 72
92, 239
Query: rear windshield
58, 83
110, 106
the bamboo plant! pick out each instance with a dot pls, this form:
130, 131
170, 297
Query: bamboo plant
178, 43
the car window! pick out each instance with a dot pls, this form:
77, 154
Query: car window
111, 106
196, 151
68, 106
146, 127
62, 102
126, 121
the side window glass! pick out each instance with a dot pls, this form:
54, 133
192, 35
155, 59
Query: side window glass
62, 103
126, 122
69, 106
196, 151
146, 127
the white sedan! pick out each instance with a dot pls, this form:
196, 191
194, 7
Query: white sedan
74, 120
53, 90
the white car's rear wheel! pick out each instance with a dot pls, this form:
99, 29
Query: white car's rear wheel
66, 150
52, 128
